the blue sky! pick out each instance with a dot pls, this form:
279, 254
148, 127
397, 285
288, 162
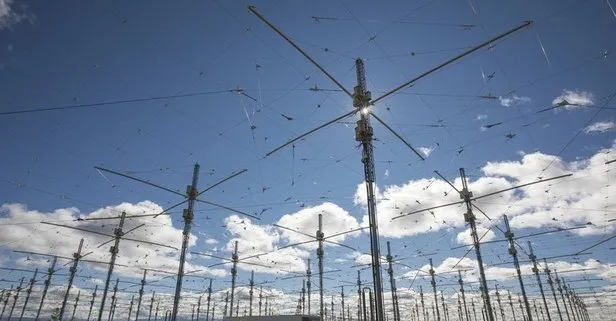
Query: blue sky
252, 93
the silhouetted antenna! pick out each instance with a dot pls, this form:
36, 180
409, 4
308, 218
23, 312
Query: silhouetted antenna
560, 289
6, 300
209, 298
514, 254
114, 300
551, 283
500, 306
362, 99
76, 303
73, 269
466, 314
145, 271
118, 233
28, 292
392, 283
92, 302
511, 305
15, 297
433, 282
533, 258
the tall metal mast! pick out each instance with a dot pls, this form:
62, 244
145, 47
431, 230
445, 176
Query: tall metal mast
533, 258
320, 253
514, 254
118, 233
260, 299
151, 306
500, 307
92, 302
75, 306
359, 314
188, 215
28, 292
234, 259
113, 300
392, 283
303, 297
252, 284
423, 306
76, 257
226, 305
15, 297
560, 289
140, 295
309, 285
511, 304
433, 282
444, 307
466, 314
551, 283
5, 301
50, 271
469, 217
363, 134
209, 299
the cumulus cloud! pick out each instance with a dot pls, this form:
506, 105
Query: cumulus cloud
513, 100
557, 204
426, 151
599, 127
465, 237
335, 220
9, 16
572, 99
64, 241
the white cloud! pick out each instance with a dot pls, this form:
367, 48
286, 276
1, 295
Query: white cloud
465, 237
426, 151
482, 117
513, 100
557, 204
64, 241
574, 99
263, 240
211, 241
599, 127
335, 220
8, 15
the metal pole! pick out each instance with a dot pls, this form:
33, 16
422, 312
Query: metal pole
75, 306
114, 253
500, 307
303, 297
213, 310
209, 299
433, 282
188, 215
226, 305
536, 312
151, 306
421, 299
156, 312
252, 284
390, 272
113, 300
363, 134
199, 307
514, 253
533, 258
560, 289
469, 217
551, 283
50, 272
237, 308
320, 237
266, 305
15, 297
342, 302
524, 317
571, 306
92, 302
474, 311
28, 292
260, 299
73, 270
309, 284
140, 295
511, 304
192, 316
130, 309
234, 259
5, 301
359, 315
444, 308
466, 314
